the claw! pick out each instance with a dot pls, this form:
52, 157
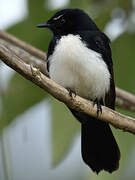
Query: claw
99, 107
71, 93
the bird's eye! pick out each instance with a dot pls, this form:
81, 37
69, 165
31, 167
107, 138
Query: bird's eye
62, 20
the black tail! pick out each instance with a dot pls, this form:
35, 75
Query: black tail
99, 148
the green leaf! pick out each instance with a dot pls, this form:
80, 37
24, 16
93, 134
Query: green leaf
64, 130
20, 95
123, 58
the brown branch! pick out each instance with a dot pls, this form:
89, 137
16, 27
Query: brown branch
31, 55
17, 42
26, 56
116, 119
125, 100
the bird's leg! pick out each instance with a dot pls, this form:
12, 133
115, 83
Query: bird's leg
71, 93
99, 107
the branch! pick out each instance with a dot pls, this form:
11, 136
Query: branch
125, 100
28, 48
26, 56
35, 57
28, 71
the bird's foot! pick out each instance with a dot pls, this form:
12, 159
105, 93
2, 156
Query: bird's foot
99, 107
71, 93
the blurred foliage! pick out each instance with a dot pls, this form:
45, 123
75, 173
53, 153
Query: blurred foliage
22, 94
19, 96
64, 130
123, 55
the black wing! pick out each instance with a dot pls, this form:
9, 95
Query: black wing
99, 42
51, 48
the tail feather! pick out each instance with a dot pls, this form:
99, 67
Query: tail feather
99, 147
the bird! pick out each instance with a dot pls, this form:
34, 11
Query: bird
79, 58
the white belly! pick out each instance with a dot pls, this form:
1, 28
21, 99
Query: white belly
74, 66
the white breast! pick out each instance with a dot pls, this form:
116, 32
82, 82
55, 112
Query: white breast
74, 66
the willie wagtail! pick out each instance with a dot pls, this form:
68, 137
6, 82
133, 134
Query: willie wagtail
79, 59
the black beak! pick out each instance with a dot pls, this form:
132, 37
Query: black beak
46, 25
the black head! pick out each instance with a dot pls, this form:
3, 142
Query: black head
69, 21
